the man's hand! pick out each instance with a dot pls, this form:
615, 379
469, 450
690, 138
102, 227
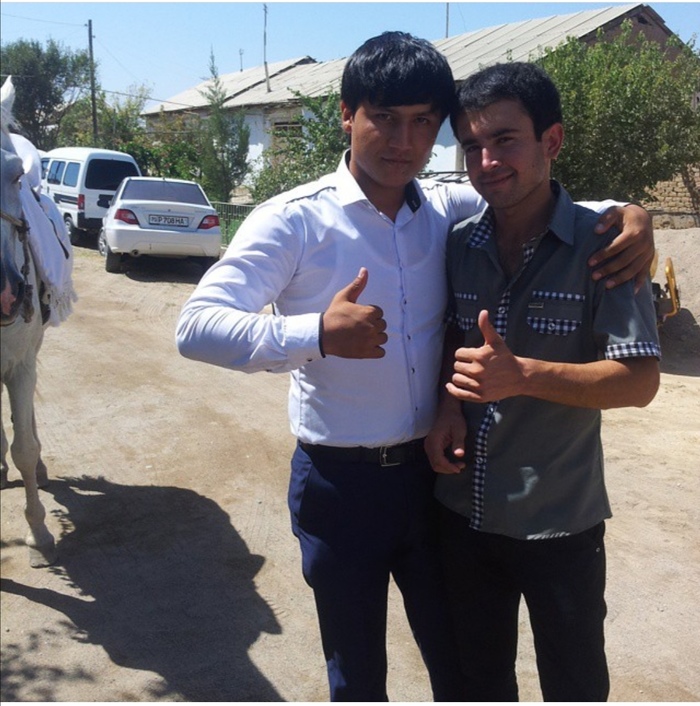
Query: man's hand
351, 330
488, 373
630, 254
444, 445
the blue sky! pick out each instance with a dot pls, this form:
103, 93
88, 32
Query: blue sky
166, 45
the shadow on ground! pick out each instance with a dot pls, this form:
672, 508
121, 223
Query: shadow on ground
164, 269
680, 343
162, 581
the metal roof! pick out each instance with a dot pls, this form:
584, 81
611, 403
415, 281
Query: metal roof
233, 84
310, 80
466, 53
524, 41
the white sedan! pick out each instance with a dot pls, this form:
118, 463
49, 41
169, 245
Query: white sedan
161, 218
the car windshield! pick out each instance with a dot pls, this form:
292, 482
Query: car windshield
174, 191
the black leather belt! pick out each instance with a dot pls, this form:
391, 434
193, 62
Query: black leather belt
381, 455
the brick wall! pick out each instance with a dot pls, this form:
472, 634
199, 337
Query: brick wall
676, 203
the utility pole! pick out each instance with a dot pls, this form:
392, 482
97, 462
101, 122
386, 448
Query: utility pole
447, 20
92, 86
267, 73
240, 53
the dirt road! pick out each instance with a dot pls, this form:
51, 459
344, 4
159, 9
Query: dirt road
178, 577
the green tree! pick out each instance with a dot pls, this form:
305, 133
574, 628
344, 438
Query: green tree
171, 147
304, 155
166, 146
224, 155
48, 82
628, 114
118, 121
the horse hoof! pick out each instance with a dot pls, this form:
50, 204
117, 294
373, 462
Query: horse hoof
40, 557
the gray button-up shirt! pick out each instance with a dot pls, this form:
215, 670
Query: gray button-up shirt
535, 468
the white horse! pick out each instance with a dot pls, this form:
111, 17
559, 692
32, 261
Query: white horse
20, 340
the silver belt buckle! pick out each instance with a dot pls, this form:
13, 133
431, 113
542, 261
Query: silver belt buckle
384, 461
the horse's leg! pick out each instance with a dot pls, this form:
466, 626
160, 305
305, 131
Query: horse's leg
25, 454
42, 474
3, 455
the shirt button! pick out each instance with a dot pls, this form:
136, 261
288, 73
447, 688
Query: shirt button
551, 326
480, 461
501, 310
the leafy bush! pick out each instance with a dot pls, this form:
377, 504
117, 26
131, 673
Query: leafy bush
628, 114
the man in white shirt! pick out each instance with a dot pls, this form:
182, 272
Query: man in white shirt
354, 264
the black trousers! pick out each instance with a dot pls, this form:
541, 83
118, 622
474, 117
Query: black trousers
359, 524
563, 583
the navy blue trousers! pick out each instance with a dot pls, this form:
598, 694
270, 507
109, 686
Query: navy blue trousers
563, 583
358, 524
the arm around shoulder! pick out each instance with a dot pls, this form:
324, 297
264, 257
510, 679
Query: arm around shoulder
629, 255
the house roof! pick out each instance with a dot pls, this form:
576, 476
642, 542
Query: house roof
233, 84
310, 80
466, 53
526, 40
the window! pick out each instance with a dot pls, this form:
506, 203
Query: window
172, 191
56, 172
283, 130
107, 174
70, 178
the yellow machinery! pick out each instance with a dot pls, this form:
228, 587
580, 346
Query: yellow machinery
667, 299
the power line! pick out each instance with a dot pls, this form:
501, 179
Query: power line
35, 19
105, 48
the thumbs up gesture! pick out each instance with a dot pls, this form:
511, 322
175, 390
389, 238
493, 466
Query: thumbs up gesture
488, 373
352, 330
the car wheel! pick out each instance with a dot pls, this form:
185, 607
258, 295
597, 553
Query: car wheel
102, 243
113, 260
74, 234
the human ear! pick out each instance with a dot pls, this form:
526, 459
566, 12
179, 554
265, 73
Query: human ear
553, 138
346, 117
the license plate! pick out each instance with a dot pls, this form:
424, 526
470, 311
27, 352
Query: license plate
178, 221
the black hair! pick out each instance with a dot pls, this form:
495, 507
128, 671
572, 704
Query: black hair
396, 68
520, 81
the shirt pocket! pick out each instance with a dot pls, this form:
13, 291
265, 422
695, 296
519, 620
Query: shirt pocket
466, 312
555, 313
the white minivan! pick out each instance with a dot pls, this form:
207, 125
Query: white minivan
82, 182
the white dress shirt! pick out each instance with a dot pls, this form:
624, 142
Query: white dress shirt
296, 251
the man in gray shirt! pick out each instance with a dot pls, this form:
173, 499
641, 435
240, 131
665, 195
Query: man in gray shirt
535, 350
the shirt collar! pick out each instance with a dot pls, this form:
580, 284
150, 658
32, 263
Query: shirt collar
561, 224
349, 190
564, 216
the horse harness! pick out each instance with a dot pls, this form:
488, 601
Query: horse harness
22, 229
